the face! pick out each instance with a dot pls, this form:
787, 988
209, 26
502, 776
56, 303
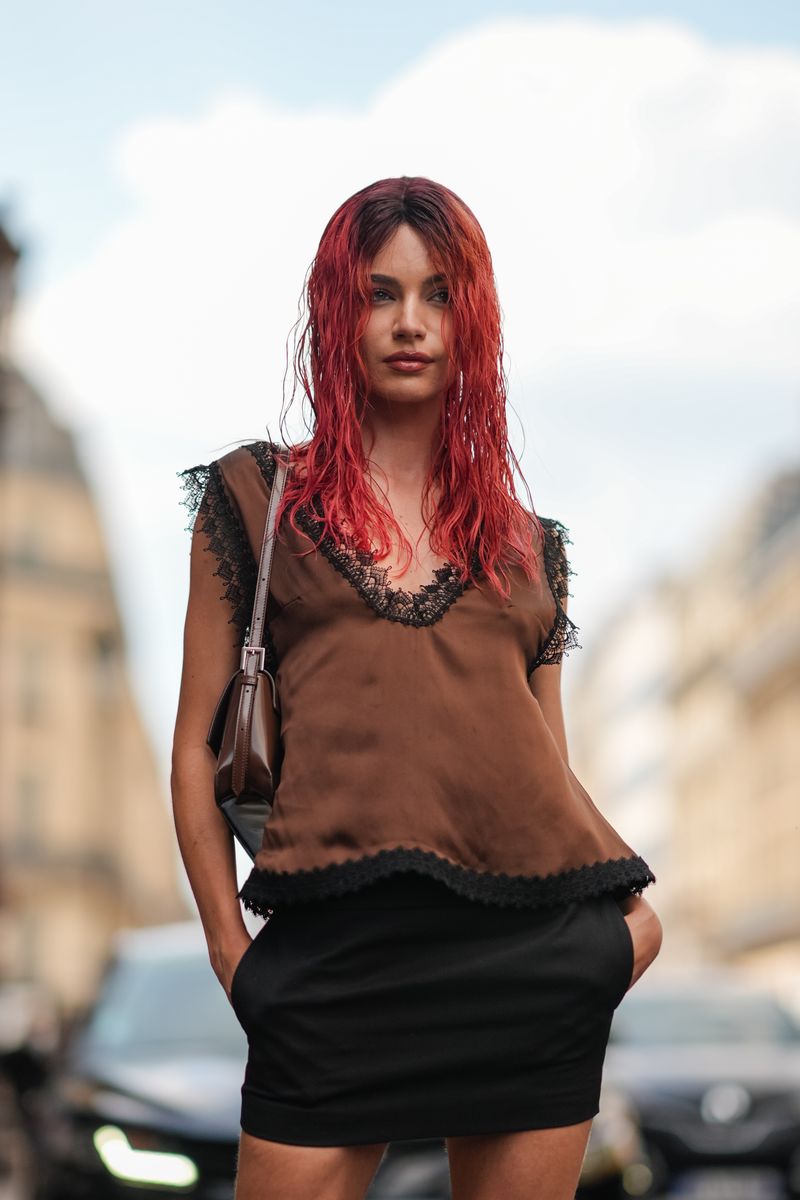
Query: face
409, 315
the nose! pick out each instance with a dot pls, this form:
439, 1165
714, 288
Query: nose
409, 322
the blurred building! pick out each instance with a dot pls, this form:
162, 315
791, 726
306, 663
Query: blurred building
685, 731
737, 757
86, 835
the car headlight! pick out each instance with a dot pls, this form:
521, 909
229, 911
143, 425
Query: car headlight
124, 1161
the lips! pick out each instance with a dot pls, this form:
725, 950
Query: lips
409, 356
408, 366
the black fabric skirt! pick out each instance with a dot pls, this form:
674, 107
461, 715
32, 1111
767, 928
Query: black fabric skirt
405, 1011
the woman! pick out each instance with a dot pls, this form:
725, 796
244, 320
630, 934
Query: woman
451, 921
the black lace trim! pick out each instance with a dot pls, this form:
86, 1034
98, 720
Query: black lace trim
563, 635
207, 501
262, 890
423, 607
262, 452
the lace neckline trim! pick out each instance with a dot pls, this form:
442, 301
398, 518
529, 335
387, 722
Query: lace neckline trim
424, 606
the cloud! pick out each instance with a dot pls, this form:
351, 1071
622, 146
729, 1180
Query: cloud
632, 179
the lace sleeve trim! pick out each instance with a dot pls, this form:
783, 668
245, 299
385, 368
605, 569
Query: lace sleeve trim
563, 635
264, 454
207, 501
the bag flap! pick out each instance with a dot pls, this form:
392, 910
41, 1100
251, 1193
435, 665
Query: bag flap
217, 726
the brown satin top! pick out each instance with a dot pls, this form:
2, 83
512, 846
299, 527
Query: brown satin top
411, 737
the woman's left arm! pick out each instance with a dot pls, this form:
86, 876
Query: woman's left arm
545, 684
643, 922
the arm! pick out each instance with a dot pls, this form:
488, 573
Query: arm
645, 926
545, 683
544, 678
210, 657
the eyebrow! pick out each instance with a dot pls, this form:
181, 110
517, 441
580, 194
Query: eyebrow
391, 279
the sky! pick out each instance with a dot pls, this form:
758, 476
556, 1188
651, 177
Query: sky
169, 168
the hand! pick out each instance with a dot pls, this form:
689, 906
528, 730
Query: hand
226, 958
646, 934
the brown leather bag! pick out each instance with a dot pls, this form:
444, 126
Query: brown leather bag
245, 729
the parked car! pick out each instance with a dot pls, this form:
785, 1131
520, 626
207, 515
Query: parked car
147, 1095
711, 1066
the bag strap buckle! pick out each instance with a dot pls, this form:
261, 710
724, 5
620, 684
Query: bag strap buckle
252, 660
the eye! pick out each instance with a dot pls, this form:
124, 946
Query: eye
376, 291
444, 293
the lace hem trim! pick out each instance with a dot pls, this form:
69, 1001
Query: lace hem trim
426, 606
262, 890
207, 502
563, 635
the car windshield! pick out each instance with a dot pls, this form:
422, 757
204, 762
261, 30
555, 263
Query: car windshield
688, 1019
163, 1004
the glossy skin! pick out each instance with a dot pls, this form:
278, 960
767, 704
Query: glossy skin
409, 312
398, 435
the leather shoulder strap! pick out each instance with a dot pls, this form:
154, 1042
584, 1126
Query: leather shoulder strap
253, 653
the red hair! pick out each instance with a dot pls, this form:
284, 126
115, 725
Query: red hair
472, 464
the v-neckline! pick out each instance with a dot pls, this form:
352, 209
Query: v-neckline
425, 605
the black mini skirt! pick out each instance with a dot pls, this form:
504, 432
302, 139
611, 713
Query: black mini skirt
405, 1011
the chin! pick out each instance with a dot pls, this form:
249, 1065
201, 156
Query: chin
406, 395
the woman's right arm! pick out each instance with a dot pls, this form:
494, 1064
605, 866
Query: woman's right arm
210, 656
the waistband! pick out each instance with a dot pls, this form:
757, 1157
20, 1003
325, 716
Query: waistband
401, 889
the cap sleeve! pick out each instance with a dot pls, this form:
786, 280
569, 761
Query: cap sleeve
563, 634
213, 510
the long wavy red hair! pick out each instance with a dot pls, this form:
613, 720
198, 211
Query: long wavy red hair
471, 467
